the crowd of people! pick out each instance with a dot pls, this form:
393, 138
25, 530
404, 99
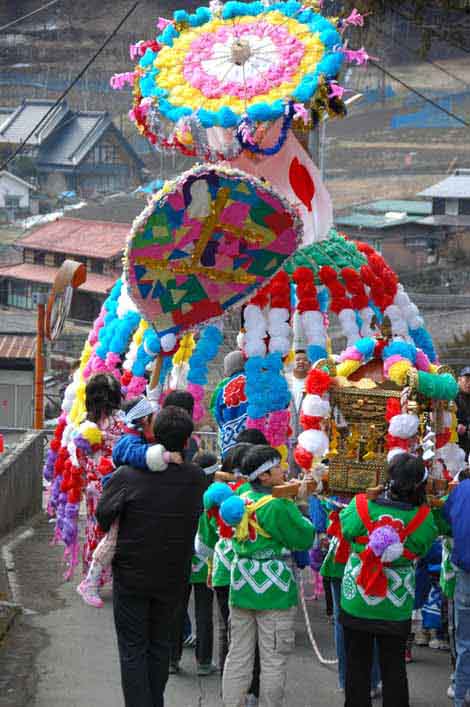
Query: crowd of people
394, 571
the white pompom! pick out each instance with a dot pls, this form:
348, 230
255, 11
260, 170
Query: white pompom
393, 313
446, 419
347, 315
255, 348
279, 344
404, 426
392, 552
416, 322
315, 406
240, 340
277, 315
168, 342
314, 441
312, 321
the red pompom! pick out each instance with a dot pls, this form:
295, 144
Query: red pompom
393, 408
303, 458
301, 275
359, 301
318, 382
327, 275
364, 248
338, 304
105, 466
126, 378
442, 438
74, 495
309, 304
392, 441
55, 444
310, 422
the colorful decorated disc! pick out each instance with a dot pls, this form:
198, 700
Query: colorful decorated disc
231, 62
206, 242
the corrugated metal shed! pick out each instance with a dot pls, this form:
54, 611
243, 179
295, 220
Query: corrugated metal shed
14, 346
412, 208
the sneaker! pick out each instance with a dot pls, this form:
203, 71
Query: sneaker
422, 637
451, 692
189, 641
208, 669
376, 692
408, 656
251, 700
174, 668
90, 595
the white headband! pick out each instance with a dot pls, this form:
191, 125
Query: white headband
266, 466
208, 470
141, 409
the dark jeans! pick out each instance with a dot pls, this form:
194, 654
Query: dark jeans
222, 594
143, 629
328, 596
203, 602
359, 653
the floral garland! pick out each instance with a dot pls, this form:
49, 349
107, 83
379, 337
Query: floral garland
268, 398
402, 429
312, 443
279, 329
312, 320
205, 351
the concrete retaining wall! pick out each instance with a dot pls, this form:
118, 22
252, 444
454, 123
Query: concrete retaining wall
21, 481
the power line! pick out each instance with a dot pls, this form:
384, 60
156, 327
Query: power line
418, 93
71, 85
416, 51
30, 14
433, 31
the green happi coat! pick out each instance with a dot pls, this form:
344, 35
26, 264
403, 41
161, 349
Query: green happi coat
219, 551
261, 576
397, 605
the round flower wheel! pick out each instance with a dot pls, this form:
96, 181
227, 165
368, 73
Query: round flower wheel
206, 242
230, 64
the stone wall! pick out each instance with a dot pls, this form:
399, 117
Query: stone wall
21, 480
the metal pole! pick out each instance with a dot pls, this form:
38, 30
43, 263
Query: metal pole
39, 364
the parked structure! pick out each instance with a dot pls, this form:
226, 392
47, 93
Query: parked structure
15, 197
73, 150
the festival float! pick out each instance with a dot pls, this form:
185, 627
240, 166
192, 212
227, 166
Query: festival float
234, 85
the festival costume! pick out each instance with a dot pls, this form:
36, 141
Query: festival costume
229, 406
92, 464
263, 595
378, 592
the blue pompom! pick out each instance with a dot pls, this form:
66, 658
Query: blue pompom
180, 16
366, 347
216, 494
232, 510
400, 348
330, 38
315, 353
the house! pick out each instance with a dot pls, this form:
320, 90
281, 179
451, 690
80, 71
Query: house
80, 151
97, 244
395, 229
450, 204
16, 379
15, 196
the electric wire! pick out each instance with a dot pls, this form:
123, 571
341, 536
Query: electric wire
29, 14
71, 85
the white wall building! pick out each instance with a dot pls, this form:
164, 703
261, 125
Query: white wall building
15, 193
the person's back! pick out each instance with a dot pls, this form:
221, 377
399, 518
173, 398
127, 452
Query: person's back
157, 527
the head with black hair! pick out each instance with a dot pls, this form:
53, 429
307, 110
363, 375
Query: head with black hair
208, 463
407, 476
172, 427
262, 465
102, 396
180, 399
232, 461
252, 436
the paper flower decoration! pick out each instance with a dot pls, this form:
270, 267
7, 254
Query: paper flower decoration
207, 241
231, 66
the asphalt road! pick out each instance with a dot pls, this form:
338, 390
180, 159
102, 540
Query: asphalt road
62, 653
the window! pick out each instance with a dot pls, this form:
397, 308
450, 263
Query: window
464, 207
438, 207
97, 266
108, 153
12, 201
18, 294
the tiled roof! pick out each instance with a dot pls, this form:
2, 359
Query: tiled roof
358, 219
13, 346
74, 236
117, 209
100, 284
410, 207
17, 126
71, 141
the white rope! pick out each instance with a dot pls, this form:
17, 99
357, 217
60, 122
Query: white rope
316, 650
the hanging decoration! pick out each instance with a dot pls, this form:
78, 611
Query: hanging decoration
205, 243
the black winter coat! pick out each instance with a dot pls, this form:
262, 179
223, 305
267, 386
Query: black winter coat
158, 515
